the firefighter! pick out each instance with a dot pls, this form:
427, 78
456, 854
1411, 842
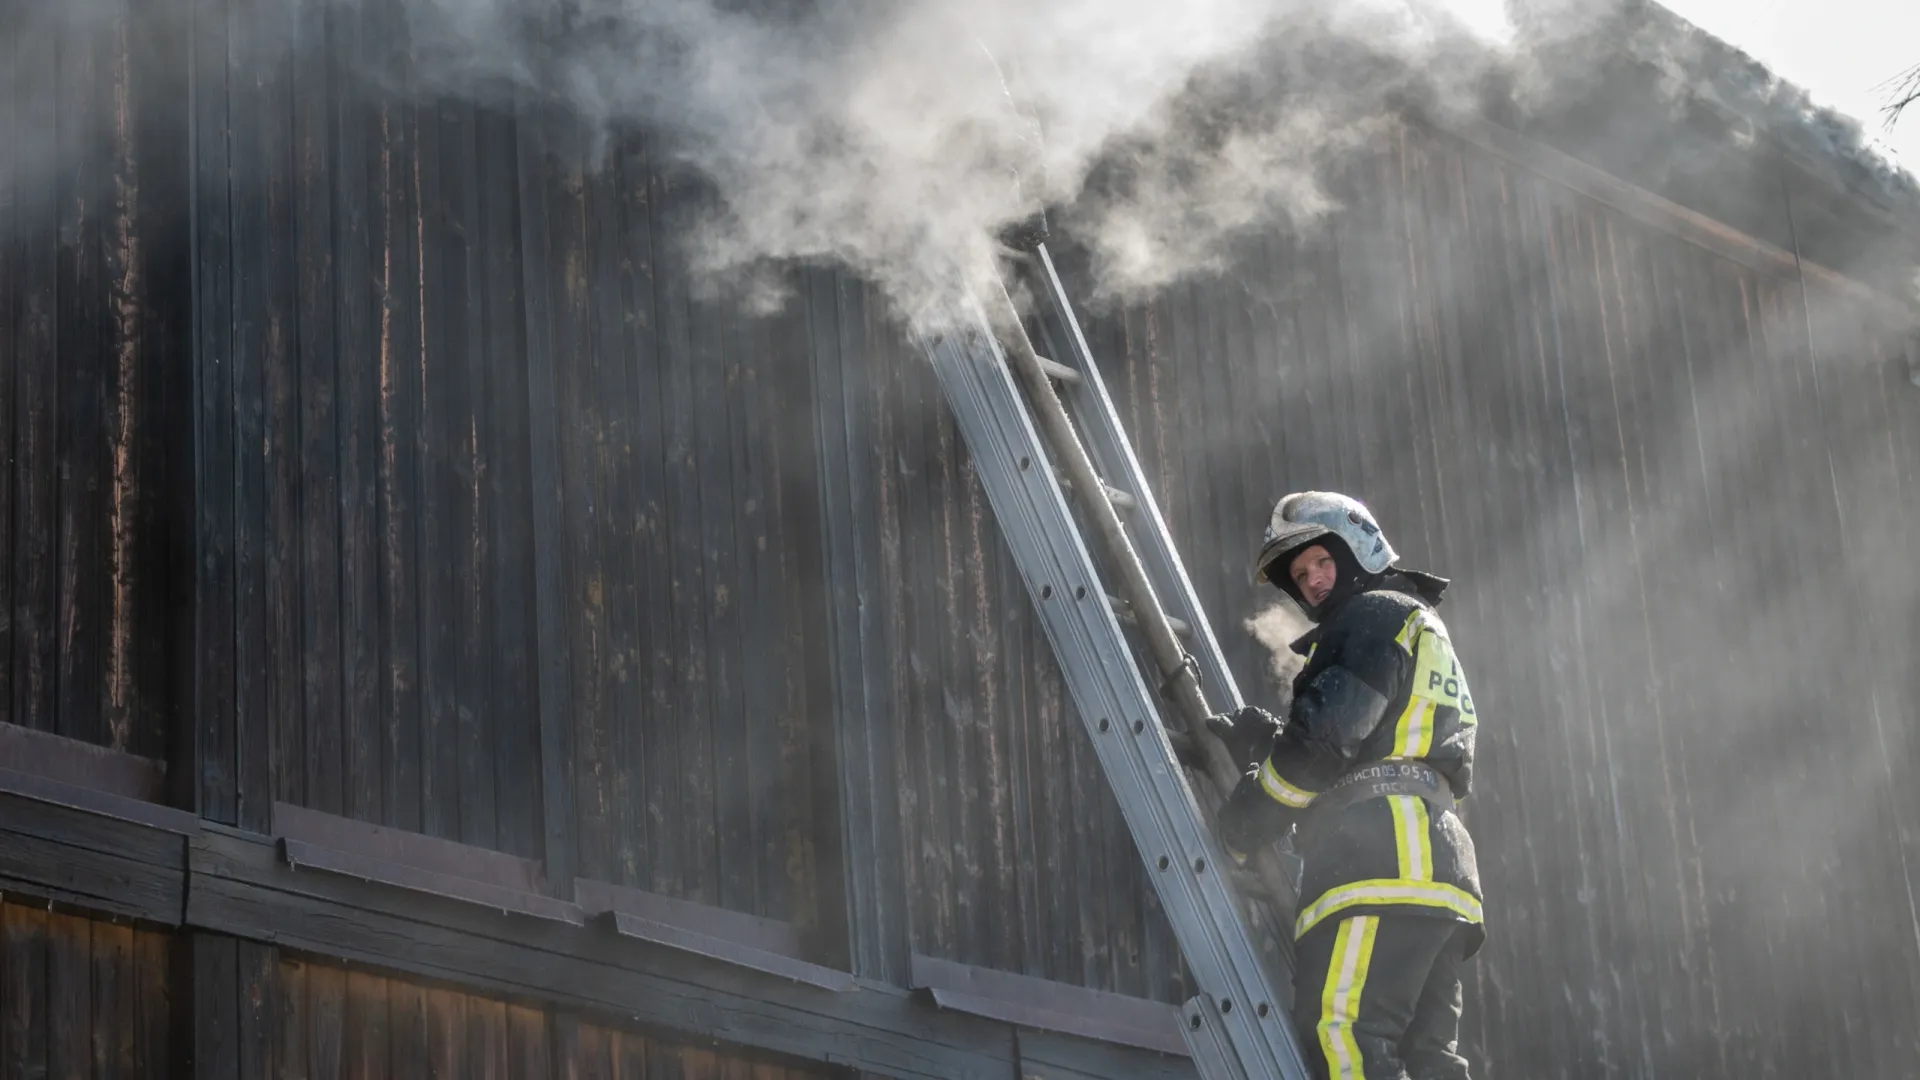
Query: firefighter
1370, 763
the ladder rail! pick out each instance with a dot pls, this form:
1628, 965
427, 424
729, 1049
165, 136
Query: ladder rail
1178, 669
1174, 599
1185, 863
1107, 442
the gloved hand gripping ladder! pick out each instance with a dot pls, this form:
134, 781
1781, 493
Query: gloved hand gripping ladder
1237, 1025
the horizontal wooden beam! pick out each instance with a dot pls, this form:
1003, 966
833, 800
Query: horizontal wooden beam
241, 887
70, 761
1050, 1055
732, 937
98, 862
1052, 1006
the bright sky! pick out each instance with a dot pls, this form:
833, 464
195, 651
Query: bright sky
1840, 51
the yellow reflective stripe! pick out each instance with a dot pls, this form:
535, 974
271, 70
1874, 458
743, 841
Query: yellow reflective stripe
1413, 732
1411, 839
1410, 631
1284, 793
1340, 997
1432, 894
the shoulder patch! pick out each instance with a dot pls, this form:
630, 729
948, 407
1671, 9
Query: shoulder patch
1437, 676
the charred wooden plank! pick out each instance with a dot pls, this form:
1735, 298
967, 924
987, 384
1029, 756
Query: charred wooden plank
155, 959
320, 419
553, 645
70, 1005
135, 223
436, 394
798, 570
35, 469
358, 146
509, 678
761, 870
116, 992
681, 354
325, 1028
581, 416
214, 980
647, 805
256, 180
259, 993
273, 729
623, 522
476, 719
13, 184
80, 439
396, 237
23, 981
289, 1018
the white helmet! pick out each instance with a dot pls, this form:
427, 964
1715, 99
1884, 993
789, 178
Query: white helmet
1306, 516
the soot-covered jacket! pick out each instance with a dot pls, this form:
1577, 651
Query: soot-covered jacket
1381, 683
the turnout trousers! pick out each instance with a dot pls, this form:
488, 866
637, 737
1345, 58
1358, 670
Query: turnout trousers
1377, 997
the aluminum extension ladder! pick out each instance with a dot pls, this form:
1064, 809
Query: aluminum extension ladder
1034, 453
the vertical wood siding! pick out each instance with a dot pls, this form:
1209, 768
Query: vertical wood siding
82, 998
371, 513
90, 263
327, 1023
797, 672
365, 492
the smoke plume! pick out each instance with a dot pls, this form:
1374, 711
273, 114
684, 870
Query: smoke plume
881, 135
1276, 627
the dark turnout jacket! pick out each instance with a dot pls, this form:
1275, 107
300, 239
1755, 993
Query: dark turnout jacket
1381, 685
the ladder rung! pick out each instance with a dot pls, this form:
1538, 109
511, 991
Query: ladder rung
1125, 611
1056, 370
1120, 499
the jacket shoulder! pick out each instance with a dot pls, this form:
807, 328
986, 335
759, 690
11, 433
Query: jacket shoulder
1381, 613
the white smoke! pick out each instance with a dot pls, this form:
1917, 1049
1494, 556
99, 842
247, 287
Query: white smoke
1276, 627
878, 134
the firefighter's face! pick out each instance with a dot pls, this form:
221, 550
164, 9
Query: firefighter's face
1313, 572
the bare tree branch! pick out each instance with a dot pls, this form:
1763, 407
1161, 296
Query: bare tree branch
1902, 90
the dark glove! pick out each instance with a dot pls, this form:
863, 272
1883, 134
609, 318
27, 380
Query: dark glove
1250, 818
1248, 734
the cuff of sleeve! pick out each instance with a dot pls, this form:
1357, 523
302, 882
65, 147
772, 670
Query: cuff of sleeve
1279, 790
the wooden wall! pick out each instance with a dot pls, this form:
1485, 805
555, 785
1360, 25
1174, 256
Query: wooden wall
1673, 490
80, 997
91, 349
401, 279
304, 1020
501, 531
